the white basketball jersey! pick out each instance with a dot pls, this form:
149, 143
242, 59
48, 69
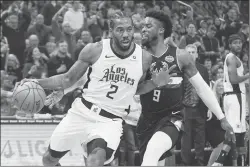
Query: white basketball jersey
228, 87
235, 104
112, 81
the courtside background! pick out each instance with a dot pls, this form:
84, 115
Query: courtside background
23, 142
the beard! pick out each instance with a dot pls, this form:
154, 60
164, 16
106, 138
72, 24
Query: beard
147, 42
120, 46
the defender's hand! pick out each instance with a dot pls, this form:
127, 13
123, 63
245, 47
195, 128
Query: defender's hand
163, 77
54, 98
229, 135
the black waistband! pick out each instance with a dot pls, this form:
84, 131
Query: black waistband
231, 93
102, 112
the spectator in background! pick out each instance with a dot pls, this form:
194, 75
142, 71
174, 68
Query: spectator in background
49, 10
13, 71
82, 42
61, 61
200, 10
233, 25
208, 65
244, 34
203, 30
50, 47
138, 16
95, 22
41, 30
74, 16
33, 15
211, 45
33, 43
15, 29
194, 117
191, 38
189, 17
36, 69
4, 50
66, 33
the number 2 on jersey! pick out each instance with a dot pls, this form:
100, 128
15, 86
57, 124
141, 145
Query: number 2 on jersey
156, 96
112, 92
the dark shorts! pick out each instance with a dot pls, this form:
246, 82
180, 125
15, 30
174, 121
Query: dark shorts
214, 133
240, 139
146, 128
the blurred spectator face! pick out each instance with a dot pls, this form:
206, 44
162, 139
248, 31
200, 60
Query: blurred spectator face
192, 50
93, 6
157, 7
122, 32
232, 14
167, 10
86, 37
199, 3
140, 9
175, 16
67, 28
13, 21
211, 32
34, 41
203, 25
76, 5
189, 14
52, 39
50, 46
191, 30
218, 3
137, 38
128, 12
36, 54
34, 13
220, 88
12, 61
217, 21
236, 46
208, 64
210, 21
27, 43
220, 73
63, 47
39, 19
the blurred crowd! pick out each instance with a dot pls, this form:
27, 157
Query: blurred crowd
44, 38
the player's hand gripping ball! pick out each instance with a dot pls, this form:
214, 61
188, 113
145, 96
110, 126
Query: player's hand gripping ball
29, 96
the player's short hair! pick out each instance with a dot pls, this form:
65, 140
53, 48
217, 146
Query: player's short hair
117, 15
233, 37
191, 46
163, 18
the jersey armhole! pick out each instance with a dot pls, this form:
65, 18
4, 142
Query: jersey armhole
177, 60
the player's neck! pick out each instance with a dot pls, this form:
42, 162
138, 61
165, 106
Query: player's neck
236, 54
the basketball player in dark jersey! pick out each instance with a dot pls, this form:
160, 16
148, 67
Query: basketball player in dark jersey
160, 123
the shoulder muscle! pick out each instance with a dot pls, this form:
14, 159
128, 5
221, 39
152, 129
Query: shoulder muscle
90, 53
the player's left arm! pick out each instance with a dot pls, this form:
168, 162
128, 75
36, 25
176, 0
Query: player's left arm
145, 85
158, 80
187, 64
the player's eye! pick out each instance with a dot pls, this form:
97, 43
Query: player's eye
148, 25
129, 29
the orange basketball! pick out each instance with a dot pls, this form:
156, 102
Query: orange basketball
29, 97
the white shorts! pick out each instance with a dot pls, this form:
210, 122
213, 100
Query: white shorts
235, 112
81, 125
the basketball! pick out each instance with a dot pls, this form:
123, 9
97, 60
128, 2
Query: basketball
29, 97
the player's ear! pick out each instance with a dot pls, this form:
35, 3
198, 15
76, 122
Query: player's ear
161, 30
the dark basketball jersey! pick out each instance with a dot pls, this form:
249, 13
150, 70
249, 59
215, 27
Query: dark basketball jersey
168, 99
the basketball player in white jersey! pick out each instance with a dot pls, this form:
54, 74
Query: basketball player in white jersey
116, 66
234, 89
159, 126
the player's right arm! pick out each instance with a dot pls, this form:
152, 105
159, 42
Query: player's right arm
87, 57
232, 71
